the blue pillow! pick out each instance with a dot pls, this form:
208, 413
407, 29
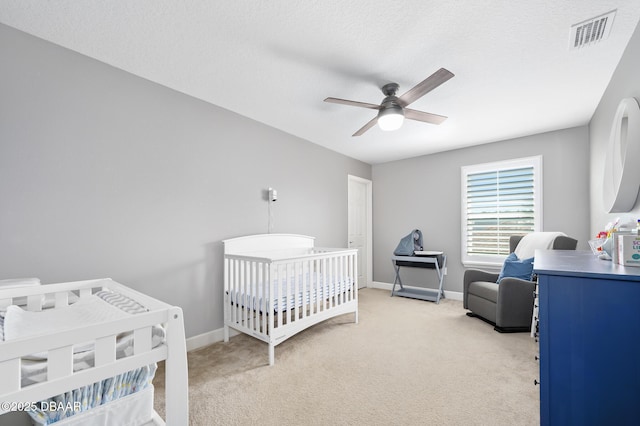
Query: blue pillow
516, 268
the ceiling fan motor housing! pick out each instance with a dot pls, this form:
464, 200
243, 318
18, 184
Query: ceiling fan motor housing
391, 103
391, 113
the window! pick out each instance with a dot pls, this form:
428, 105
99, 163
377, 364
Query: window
499, 200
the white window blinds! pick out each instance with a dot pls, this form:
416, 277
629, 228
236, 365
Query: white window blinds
499, 200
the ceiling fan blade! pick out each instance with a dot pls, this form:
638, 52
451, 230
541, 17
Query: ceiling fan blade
421, 89
426, 117
366, 126
352, 103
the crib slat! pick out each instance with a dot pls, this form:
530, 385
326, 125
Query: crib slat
339, 275
238, 310
232, 290
252, 293
236, 295
344, 285
273, 307
251, 296
304, 291
247, 294
332, 280
250, 284
322, 289
354, 277
296, 290
320, 279
350, 276
244, 290
333, 276
10, 373
280, 292
313, 287
229, 289
62, 299
141, 340
336, 280
263, 292
105, 350
238, 292
34, 303
343, 275
305, 287
319, 294
60, 362
287, 281
311, 284
242, 314
325, 286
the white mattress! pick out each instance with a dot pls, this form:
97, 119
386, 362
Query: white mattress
308, 292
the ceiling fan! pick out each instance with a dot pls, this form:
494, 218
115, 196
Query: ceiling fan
393, 110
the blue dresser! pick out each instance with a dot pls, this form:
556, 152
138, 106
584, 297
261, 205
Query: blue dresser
589, 328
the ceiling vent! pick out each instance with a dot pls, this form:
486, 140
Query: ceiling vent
591, 31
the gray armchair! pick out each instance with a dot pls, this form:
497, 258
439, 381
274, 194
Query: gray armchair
508, 305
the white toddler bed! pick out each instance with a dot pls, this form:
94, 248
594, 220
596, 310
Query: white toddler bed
99, 367
276, 285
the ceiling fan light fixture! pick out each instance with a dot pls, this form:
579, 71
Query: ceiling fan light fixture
390, 118
392, 112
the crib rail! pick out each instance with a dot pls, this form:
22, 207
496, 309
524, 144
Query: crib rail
35, 298
60, 376
60, 355
274, 297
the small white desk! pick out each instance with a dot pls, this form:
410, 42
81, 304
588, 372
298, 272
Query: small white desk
423, 261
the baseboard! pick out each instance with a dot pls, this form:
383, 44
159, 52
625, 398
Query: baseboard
214, 336
208, 338
453, 295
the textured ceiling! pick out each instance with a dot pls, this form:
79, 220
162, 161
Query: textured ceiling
275, 61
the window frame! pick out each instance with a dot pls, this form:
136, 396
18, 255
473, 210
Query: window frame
495, 261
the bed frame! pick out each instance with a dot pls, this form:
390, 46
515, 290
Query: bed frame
321, 281
61, 377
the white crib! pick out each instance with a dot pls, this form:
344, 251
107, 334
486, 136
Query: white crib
276, 285
61, 377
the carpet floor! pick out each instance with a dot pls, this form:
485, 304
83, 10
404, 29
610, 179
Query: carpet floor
406, 362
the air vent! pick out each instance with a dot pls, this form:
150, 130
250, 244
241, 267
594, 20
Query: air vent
591, 31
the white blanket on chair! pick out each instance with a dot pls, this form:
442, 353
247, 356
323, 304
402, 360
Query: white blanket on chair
536, 240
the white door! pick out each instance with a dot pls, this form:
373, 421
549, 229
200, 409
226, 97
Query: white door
360, 226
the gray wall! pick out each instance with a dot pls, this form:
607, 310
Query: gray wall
106, 174
624, 84
425, 193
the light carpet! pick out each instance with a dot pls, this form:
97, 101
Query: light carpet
406, 362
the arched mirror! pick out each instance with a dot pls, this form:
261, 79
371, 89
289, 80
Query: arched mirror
622, 164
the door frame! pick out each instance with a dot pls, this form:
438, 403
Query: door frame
369, 225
